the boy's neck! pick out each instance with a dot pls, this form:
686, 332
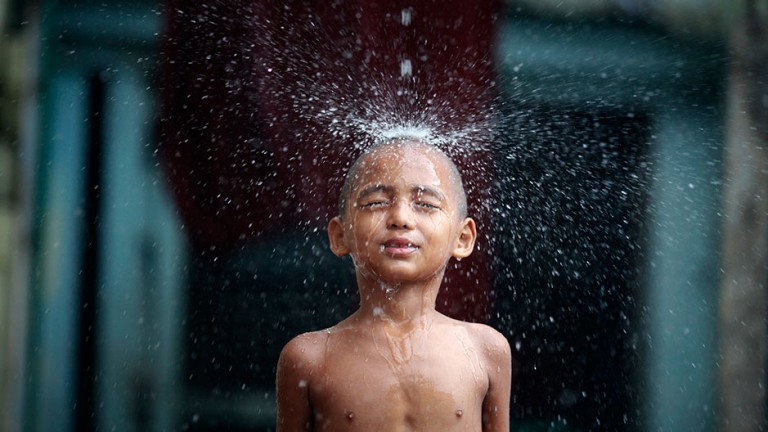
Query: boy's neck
401, 303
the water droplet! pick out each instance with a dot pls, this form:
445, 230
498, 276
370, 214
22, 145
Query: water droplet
406, 69
389, 292
405, 16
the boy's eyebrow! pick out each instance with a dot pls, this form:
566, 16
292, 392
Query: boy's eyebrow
428, 190
368, 190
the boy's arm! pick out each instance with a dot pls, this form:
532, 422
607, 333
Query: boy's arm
294, 369
496, 402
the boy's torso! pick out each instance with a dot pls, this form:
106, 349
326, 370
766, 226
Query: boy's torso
428, 379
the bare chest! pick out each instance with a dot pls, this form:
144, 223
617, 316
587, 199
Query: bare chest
399, 385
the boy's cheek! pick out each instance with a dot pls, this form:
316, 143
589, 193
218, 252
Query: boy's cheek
363, 247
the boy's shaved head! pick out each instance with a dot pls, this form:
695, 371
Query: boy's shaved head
352, 174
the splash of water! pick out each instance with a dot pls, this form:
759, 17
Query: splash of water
402, 112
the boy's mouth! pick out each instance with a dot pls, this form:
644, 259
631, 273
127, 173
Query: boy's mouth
399, 247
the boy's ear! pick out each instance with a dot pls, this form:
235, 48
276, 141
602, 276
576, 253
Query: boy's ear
336, 237
466, 240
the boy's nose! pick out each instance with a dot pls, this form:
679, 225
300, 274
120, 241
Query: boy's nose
401, 215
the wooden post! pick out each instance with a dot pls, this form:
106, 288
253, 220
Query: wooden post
743, 297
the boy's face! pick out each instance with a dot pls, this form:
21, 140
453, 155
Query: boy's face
401, 223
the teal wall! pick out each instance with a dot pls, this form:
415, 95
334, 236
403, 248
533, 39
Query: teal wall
680, 84
141, 248
682, 271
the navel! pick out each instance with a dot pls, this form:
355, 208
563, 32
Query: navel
350, 415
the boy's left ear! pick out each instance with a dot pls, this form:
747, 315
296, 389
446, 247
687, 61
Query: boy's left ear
465, 242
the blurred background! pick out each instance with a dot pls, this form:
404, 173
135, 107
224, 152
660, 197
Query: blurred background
167, 170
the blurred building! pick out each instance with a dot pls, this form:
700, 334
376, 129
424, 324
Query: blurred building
137, 294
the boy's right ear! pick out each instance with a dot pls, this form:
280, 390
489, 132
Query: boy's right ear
336, 237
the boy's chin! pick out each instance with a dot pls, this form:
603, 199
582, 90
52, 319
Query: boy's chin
403, 275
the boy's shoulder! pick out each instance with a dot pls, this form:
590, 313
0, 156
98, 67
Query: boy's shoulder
490, 340
305, 350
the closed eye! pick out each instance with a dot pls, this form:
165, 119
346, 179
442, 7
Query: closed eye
374, 204
426, 205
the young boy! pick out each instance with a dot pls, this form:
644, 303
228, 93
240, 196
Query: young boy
396, 364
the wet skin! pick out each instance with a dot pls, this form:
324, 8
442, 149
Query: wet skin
397, 364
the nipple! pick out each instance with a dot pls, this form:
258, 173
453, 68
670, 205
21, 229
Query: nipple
350, 415
459, 413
